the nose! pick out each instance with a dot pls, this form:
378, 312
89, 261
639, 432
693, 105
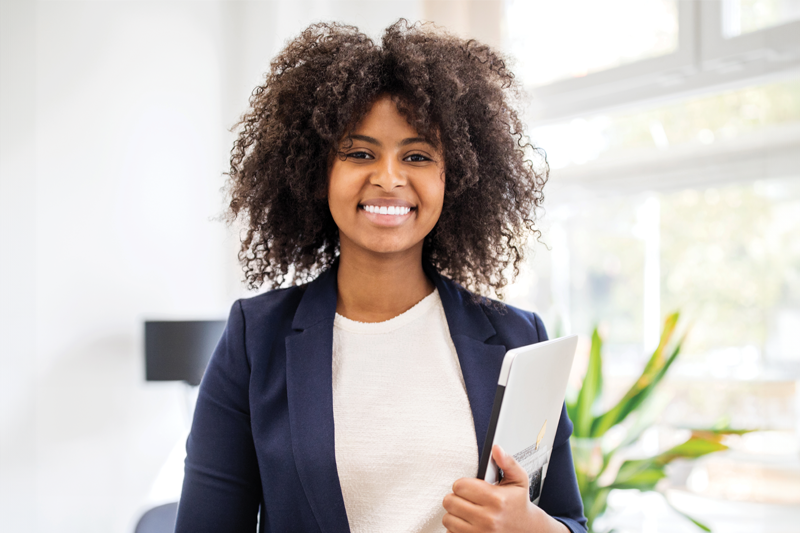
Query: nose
389, 175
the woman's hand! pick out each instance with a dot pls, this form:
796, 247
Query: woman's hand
477, 506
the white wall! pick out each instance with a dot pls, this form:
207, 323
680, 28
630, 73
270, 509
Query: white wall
114, 140
17, 273
125, 132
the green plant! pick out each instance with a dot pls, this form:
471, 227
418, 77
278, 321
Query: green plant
591, 454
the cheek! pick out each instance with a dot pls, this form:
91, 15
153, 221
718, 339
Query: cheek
436, 192
336, 191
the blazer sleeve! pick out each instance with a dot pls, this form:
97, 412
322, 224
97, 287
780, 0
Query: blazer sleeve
222, 487
561, 498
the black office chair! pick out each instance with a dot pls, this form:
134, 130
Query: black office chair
159, 519
176, 350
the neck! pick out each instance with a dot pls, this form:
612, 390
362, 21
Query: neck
375, 289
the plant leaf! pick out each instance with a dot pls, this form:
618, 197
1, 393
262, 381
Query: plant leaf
691, 449
636, 473
645, 417
639, 398
653, 373
590, 390
657, 360
717, 435
642, 474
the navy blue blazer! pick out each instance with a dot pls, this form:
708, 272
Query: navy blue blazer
263, 437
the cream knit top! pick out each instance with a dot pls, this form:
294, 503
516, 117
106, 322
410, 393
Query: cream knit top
403, 425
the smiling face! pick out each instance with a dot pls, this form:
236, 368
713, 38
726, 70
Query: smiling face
386, 185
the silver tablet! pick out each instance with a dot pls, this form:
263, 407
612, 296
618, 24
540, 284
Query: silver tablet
527, 408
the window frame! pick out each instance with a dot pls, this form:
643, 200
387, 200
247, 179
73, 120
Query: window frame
705, 61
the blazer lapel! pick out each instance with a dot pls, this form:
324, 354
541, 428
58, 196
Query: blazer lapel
480, 362
310, 397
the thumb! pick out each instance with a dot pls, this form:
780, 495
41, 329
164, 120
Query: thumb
513, 473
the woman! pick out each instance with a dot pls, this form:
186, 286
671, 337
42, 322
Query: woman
359, 397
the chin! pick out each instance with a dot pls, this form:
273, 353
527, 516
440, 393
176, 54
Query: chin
384, 247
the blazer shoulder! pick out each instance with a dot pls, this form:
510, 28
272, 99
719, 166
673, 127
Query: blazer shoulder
518, 325
512, 326
272, 305
255, 323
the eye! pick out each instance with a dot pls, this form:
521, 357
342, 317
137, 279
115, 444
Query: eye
359, 155
417, 158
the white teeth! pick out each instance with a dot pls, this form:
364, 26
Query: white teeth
387, 210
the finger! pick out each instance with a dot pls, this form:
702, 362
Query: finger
464, 509
474, 490
455, 524
513, 473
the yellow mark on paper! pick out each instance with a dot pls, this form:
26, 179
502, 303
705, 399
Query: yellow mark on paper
541, 434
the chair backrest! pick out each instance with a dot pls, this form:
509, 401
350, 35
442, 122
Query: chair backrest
159, 519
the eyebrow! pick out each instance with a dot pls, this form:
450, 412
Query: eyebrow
376, 142
412, 140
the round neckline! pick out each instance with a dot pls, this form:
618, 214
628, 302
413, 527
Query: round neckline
406, 317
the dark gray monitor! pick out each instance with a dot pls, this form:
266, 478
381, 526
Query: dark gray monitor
179, 350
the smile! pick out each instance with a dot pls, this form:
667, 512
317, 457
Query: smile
386, 210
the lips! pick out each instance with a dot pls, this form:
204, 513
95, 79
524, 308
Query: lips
386, 211
387, 206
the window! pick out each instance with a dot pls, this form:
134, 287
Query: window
581, 57
547, 52
692, 205
745, 16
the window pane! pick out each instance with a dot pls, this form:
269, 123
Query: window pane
744, 16
700, 121
554, 40
731, 259
592, 275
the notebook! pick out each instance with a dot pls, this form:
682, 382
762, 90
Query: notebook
527, 408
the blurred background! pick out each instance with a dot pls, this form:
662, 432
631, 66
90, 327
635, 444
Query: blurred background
672, 128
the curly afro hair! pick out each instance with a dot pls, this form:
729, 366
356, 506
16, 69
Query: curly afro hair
458, 93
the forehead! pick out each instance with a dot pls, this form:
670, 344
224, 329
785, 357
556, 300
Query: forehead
383, 116
387, 119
